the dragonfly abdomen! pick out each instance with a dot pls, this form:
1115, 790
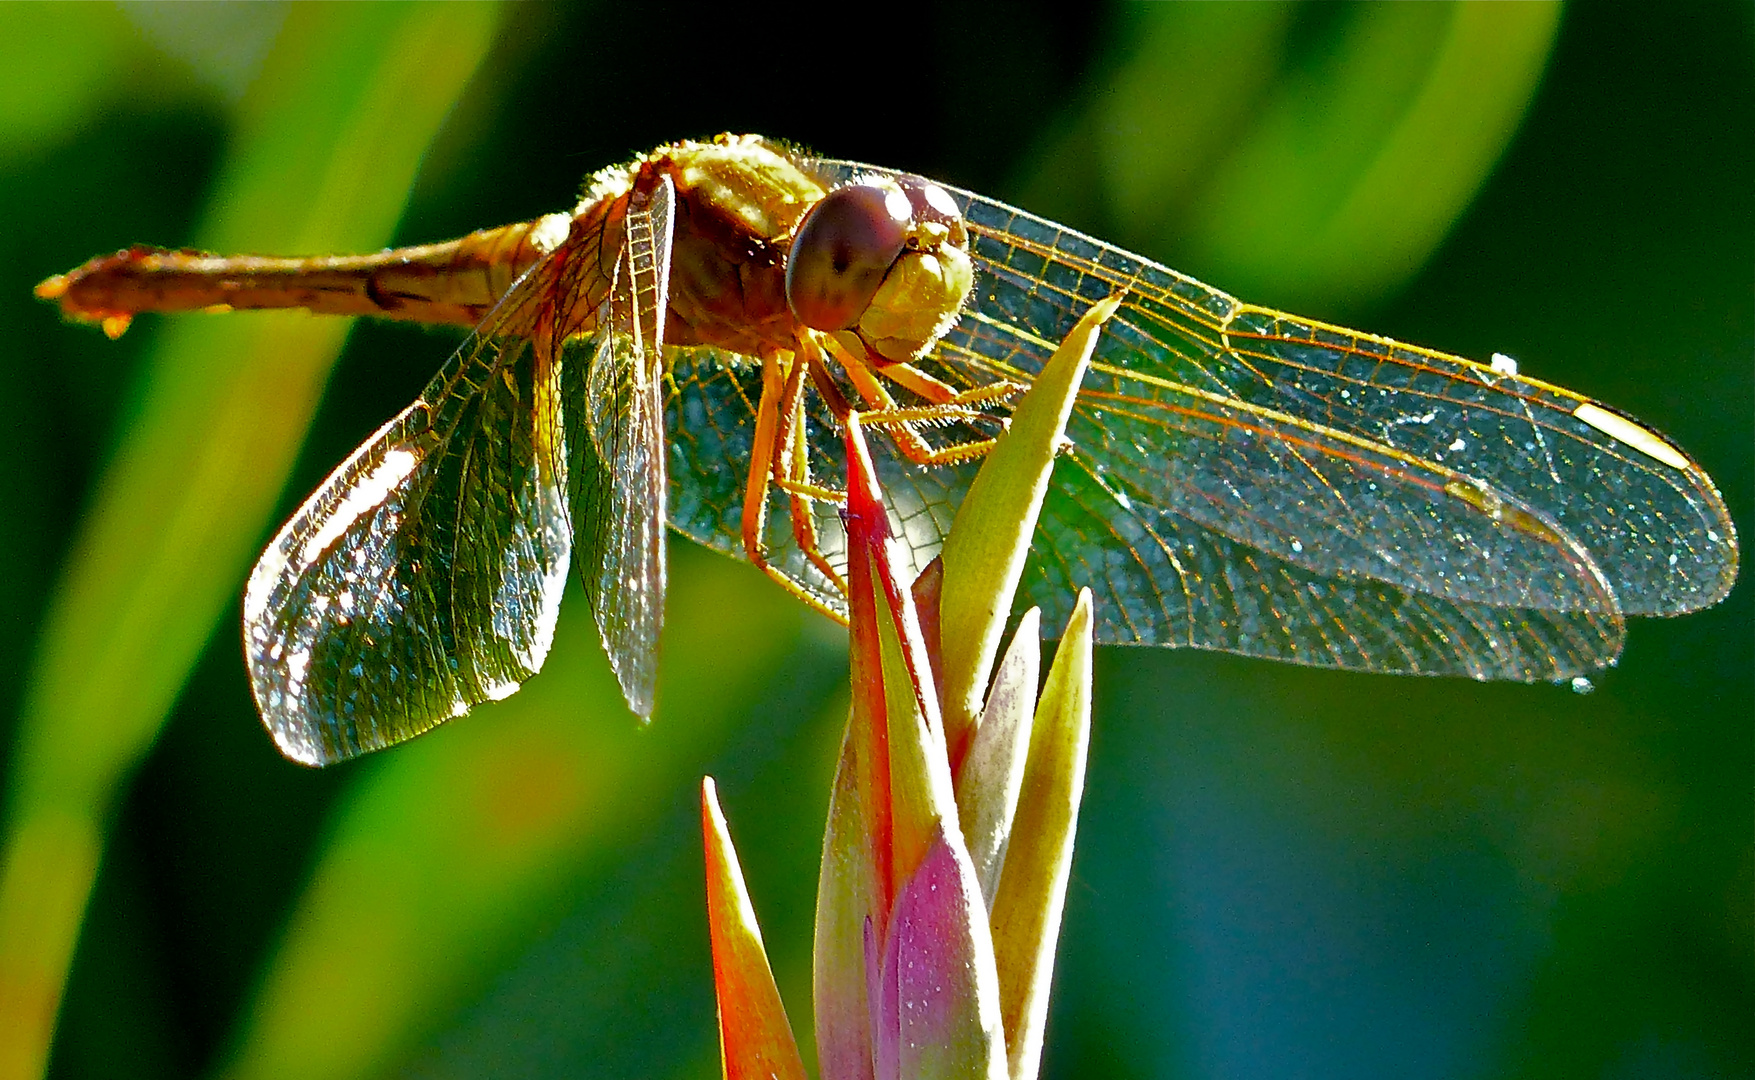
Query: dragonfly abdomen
455, 282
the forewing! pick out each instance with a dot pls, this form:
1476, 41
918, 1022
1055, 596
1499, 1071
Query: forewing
1160, 579
424, 575
619, 475
1203, 367
1650, 519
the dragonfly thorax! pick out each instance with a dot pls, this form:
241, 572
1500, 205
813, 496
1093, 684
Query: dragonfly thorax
739, 201
763, 252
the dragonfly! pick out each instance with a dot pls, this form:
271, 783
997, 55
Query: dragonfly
683, 348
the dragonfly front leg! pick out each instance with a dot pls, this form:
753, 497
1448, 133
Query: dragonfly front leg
943, 405
938, 392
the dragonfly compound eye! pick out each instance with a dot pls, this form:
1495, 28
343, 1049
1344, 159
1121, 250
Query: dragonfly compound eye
844, 247
921, 295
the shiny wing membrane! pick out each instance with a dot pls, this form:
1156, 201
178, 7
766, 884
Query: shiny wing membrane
1212, 593
424, 576
1246, 481
618, 466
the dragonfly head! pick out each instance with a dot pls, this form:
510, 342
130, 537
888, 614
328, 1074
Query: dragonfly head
882, 259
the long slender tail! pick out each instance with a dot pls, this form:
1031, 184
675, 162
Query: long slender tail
454, 283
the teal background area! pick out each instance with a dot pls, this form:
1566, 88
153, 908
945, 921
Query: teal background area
1281, 872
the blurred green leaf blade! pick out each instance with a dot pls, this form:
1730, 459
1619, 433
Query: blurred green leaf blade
351, 95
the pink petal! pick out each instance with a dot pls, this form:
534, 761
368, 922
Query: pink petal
937, 1011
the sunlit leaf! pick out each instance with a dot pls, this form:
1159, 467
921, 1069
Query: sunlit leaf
1315, 157
1359, 165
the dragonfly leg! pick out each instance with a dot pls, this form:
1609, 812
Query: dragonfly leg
792, 471
812, 491
777, 425
918, 451
938, 392
899, 420
755, 492
792, 463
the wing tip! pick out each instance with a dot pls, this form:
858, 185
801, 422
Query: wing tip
298, 745
639, 690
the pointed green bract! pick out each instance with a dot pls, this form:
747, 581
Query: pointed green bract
901, 926
992, 774
922, 800
846, 890
1032, 888
755, 1039
990, 537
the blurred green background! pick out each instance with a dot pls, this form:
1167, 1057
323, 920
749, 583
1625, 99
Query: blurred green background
1282, 872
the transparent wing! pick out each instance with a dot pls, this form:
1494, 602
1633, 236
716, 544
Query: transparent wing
1197, 587
619, 492
1659, 533
1162, 579
424, 575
